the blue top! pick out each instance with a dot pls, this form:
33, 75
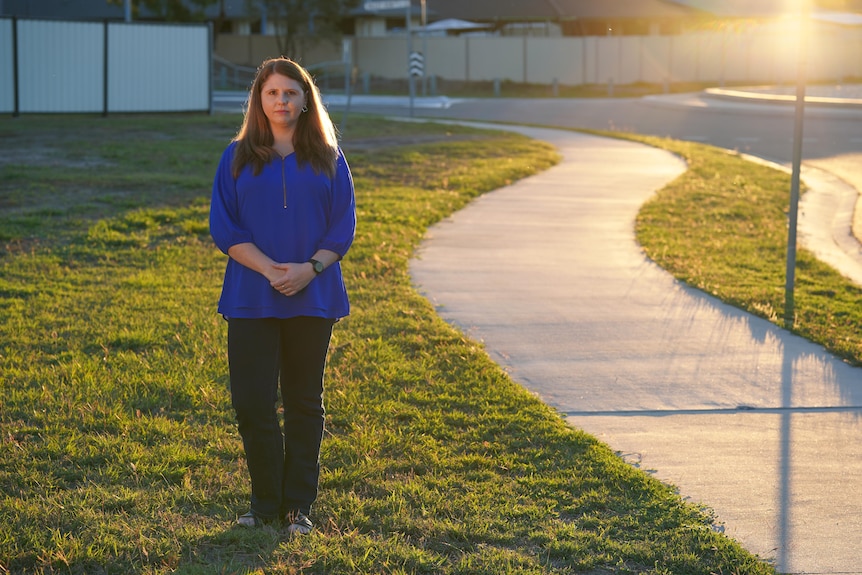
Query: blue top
289, 212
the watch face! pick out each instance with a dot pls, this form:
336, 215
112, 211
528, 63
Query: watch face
318, 267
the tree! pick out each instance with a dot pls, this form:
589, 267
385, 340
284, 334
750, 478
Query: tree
299, 24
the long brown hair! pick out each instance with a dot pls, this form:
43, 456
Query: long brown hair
315, 141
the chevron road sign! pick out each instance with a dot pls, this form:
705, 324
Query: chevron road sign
416, 66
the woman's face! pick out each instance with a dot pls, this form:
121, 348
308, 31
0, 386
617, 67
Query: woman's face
282, 100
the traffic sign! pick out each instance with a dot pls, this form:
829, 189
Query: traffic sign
416, 66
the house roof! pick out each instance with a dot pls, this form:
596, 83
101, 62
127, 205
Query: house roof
606, 9
415, 11
100, 9
739, 8
496, 10
455, 24
62, 9
543, 10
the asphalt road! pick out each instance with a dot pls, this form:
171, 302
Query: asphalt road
761, 130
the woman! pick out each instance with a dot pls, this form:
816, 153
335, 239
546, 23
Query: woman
283, 210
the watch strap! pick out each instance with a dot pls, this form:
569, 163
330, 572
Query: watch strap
318, 266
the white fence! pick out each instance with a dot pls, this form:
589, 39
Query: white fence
103, 67
756, 53
765, 55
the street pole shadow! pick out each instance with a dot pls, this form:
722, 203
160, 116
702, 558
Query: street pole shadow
797, 355
785, 463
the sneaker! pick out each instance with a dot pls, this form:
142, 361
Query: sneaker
251, 520
297, 523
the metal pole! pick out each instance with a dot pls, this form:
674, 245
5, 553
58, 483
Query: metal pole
410, 82
793, 213
424, 50
127, 6
347, 56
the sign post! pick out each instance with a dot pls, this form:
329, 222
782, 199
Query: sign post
379, 5
424, 47
793, 213
347, 58
410, 81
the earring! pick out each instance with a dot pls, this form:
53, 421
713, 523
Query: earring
305, 109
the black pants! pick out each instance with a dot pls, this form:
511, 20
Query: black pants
284, 466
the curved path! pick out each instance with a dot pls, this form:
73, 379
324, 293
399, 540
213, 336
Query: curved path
755, 423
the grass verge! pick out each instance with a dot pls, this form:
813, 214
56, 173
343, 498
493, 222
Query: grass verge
722, 228
118, 449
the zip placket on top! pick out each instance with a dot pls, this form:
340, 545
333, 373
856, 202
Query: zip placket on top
283, 184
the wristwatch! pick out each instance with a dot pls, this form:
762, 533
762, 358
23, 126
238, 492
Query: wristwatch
318, 266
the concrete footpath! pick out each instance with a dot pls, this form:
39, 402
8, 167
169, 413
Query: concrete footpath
759, 425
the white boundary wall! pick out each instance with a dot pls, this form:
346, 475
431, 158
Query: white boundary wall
85, 67
765, 55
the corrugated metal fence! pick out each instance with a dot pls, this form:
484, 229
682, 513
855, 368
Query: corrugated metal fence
103, 67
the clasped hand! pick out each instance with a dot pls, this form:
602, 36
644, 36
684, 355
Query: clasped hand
290, 278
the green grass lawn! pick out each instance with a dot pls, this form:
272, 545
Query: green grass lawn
722, 227
118, 447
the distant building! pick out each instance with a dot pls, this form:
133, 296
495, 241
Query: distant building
552, 18
538, 17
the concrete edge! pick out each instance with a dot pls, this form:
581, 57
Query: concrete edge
781, 99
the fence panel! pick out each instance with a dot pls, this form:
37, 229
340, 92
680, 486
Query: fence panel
555, 58
158, 68
445, 57
683, 60
656, 57
384, 57
710, 55
84, 67
831, 58
496, 58
7, 68
60, 66
629, 66
607, 57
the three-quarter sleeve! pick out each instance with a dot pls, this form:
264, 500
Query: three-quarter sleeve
224, 209
341, 228
288, 211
